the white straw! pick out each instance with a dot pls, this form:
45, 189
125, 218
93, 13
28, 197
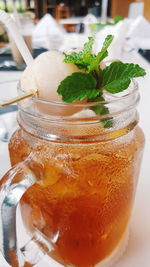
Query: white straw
11, 25
104, 11
16, 16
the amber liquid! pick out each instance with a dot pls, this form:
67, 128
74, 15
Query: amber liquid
84, 201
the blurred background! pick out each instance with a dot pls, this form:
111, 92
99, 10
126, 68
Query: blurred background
76, 8
56, 24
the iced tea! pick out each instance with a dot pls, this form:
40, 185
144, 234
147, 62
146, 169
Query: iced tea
84, 201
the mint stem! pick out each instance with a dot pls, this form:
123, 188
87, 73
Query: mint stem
99, 77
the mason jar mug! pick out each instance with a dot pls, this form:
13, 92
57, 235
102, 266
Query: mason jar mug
74, 175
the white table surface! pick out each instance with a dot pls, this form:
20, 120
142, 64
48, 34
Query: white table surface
138, 250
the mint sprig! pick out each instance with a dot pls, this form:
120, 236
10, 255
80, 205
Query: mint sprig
117, 77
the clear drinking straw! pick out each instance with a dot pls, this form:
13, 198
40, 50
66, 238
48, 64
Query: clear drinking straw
11, 25
104, 11
16, 16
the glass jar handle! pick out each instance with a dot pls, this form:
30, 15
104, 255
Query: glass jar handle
12, 187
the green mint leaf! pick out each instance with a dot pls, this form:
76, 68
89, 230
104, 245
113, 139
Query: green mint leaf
118, 19
101, 109
102, 54
77, 87
107, 122
76, 58
83, 58
98, 98
106, 44
117, 76
88, 46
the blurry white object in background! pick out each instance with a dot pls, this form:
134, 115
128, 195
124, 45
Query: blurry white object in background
89, 19
140, 27
136, 43
119, 31
138, 35
135, 10
48, 33
74, 40
8, 88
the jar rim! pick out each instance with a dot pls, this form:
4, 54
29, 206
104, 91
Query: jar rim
116, 97
118, 113
58, 111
